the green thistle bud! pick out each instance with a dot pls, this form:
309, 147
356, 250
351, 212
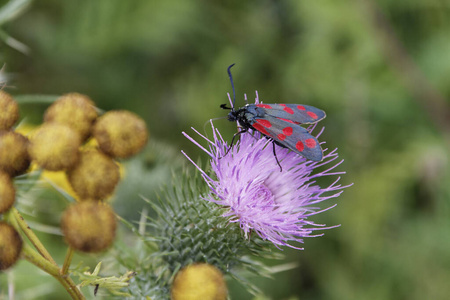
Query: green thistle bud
89, 226
120, 134
95, 176
9, 110
7, 192
14, 158
199, 281
188, 230
74, 110
10, 246
54, 146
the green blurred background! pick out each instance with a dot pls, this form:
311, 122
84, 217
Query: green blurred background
380, 69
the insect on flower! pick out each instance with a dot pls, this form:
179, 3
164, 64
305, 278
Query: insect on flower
276, 206
280, 123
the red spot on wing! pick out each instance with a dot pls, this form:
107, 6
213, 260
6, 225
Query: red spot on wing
300, 146
312, 115
289, 121
281, 137
260, 128
288, 110
287, 130
284, 105
264, 123
310, 143
264, 105
301, 107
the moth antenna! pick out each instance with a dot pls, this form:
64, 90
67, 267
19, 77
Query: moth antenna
232, 84
208, 122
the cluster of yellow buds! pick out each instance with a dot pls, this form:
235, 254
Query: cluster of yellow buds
62, 143
14, 160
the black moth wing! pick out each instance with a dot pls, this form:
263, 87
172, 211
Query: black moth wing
298, 113
289, 135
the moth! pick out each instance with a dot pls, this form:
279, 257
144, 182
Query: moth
281, 123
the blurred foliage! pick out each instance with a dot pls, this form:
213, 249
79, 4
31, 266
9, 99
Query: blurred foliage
379, 68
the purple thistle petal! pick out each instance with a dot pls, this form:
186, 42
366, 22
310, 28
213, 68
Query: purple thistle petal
276, 205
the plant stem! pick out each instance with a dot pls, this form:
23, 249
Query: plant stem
30, 235
33, 257
67, 261
43, 259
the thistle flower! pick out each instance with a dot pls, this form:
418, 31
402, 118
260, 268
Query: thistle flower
275, 205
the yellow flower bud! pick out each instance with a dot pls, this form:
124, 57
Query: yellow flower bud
95, 176
199, 281
54, 146
14, 158
89, 226
10, 246
74, 110
120, 133
7, 192
9, 110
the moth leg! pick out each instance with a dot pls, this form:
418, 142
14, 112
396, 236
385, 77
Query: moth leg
275, 154
232, 141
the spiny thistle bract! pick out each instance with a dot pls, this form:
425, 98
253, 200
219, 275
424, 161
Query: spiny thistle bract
185, 229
